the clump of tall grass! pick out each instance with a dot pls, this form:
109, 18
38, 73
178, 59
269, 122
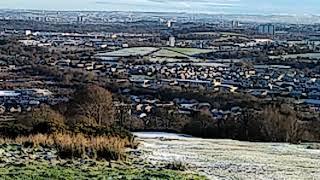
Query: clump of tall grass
43, 140
79, 145
100, 147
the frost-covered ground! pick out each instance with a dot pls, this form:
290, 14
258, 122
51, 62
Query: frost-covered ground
229, 159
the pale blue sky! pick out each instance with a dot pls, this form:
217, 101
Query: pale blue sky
195, 6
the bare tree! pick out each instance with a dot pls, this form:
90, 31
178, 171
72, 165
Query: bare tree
93, 103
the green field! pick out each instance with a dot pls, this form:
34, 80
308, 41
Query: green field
295, 56
168, 53
125, 52
39, 172
190, 51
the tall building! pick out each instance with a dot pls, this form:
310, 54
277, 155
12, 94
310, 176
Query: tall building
268, 29
169, 24
80, 19
235, 24
172, 41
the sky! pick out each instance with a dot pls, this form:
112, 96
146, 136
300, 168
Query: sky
297, 7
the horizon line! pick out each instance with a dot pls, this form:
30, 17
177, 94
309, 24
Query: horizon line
163, 12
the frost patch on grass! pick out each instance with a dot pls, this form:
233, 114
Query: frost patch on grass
218, 159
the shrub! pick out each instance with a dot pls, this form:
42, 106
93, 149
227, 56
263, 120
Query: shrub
12, 130
200, 125
41, 120
95, 130
176, 166
46, 120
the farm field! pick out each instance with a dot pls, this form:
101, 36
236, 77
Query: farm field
190, 51
294, 56
168, 53
136, 51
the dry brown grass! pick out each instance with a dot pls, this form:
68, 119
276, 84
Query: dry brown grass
79, 145
4, 140
36, 140
101, 147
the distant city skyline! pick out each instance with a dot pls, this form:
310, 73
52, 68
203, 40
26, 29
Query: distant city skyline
292, 7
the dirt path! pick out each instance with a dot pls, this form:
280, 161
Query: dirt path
229, 159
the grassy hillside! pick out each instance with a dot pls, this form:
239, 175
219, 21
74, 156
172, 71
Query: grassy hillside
39, 171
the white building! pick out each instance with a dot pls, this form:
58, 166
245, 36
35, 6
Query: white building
28, 32
172, 41
169, 24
